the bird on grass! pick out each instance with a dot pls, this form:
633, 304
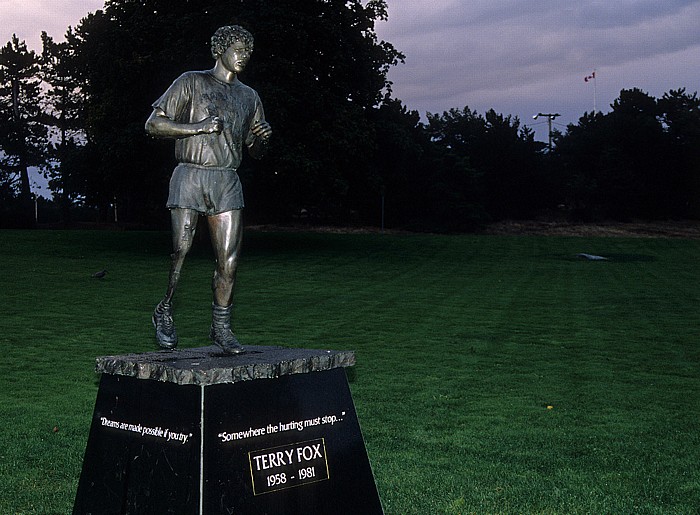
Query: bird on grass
100, 274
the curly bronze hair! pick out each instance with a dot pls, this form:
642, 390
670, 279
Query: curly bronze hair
226, 36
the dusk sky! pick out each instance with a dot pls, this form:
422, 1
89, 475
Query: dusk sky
518, 57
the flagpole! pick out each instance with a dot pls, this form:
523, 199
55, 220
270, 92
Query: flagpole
595, 93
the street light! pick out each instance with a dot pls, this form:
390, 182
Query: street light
550, 117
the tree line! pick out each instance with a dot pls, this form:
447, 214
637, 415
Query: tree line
345, 151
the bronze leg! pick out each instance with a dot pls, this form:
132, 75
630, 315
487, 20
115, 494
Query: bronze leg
226, 230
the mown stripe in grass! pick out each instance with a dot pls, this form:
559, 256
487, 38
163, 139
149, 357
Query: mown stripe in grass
495, 374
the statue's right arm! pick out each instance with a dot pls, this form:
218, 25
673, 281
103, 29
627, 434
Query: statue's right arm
159, 125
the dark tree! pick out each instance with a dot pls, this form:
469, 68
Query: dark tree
579, 156
636, 159
680, 115
64, 113
22, 133
456, 184
507, 163
423, 185
634, 162
318, 66
395, 194
512, 163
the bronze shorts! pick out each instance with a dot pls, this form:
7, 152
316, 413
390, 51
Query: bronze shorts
205, 189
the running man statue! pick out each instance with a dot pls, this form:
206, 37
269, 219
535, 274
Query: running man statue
211, 115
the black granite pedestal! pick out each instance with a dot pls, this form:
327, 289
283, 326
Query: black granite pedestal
271, 431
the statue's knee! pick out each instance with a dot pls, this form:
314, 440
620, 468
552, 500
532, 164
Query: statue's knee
179, 254
227, 268
184, 242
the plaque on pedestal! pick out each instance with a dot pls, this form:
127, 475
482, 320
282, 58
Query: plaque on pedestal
271, 431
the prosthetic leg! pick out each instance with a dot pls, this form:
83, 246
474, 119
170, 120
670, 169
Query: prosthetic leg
184, 224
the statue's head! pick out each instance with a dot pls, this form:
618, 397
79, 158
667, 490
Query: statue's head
226, 36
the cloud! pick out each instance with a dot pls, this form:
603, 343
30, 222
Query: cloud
516, 56
28, 18
486, 50
510, 51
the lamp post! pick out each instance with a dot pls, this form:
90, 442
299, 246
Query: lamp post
550, 117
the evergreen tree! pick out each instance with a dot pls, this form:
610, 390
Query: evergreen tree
623, 165
680, 115
64, 114
23, 136
506, 178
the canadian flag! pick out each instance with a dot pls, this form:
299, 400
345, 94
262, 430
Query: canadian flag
589, 77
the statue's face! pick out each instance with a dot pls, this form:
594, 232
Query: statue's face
236, 57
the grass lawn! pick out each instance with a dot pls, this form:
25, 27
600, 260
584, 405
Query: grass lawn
496, 374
